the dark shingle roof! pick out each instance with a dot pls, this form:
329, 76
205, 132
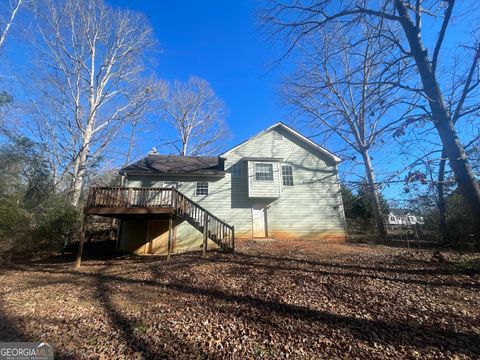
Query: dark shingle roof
176, 165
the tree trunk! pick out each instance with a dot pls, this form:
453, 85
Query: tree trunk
79, 175
185, 145
79, 179
80, 168
442, 208
9, 23
374, 198
441, 117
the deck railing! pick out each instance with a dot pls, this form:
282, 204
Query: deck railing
122, 197
202, 219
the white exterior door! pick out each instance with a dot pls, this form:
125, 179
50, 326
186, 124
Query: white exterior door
259, 221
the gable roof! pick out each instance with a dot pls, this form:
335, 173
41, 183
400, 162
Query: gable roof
295, 133
176, 165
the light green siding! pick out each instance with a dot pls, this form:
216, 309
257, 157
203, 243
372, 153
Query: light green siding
264, 189
311, 209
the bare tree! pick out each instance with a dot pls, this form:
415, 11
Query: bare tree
11, 9
196, 114
461, 79
463, 103
347, 92
401, 21
92, 82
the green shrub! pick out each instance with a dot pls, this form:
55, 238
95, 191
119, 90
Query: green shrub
23, 232
57, 225
15, 229
34, 215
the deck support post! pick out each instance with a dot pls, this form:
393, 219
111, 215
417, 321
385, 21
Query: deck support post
170, 234
82, 241
174, 237
149, 241
205, 235
119, 234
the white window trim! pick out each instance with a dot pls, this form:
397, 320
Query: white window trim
255, 171
196, 188
293, 179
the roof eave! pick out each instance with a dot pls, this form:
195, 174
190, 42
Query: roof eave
219, 174
295, 133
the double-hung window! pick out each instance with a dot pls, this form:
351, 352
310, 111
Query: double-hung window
263, 172
287, 175
202, 188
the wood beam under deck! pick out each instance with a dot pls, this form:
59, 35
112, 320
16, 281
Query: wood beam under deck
130, 212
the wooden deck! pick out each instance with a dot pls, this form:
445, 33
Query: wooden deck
158, 203
121, 202
126, 211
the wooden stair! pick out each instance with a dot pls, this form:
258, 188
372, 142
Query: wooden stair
122, 202
204, 221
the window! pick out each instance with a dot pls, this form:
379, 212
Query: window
202, 188
287, 175
263, 172
237, 169
278, 136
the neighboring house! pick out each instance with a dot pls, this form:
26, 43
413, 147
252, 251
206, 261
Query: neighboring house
277, 184
403, 217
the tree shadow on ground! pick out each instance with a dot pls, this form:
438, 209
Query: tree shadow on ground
139, 344
432, 269
389, 332
252, 308
127, 327
282, 264
11, 331
9, 328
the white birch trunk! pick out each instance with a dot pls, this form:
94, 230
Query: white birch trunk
9, 23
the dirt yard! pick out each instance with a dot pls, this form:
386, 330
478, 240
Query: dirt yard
271, 299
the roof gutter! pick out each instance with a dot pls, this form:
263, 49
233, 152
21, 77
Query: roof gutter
219, 175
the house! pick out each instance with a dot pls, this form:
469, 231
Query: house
277, 184
403, 217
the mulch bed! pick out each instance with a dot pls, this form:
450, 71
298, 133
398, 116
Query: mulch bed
273, 299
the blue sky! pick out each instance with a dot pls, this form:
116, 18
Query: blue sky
218, 41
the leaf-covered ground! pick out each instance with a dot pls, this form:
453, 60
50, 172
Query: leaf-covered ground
271, 299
